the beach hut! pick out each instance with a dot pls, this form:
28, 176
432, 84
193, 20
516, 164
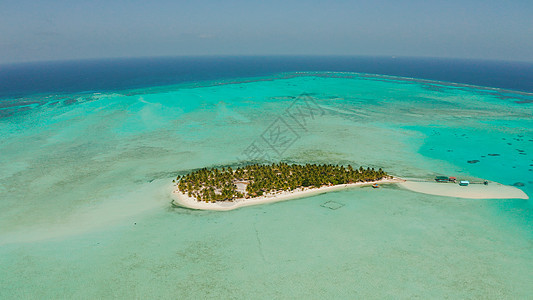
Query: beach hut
464, 182
442, 179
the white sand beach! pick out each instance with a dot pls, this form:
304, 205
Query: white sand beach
493, 190
181, 199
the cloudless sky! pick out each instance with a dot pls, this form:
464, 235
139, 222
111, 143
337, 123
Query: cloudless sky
32, 30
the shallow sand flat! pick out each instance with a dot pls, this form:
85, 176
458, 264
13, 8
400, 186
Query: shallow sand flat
180, 199
493, 190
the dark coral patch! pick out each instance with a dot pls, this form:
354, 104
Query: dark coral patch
69, 101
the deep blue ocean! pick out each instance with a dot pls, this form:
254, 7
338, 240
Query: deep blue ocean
24, 79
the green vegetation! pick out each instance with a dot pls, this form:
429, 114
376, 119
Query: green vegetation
212, 185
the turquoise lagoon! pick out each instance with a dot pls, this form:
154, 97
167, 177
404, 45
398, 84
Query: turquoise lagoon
86, 178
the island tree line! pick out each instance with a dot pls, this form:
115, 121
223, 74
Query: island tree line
215, 184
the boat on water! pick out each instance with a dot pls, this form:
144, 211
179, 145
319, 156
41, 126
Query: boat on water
442, 179
375, 185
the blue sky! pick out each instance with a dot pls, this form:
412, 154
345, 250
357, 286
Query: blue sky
56, 30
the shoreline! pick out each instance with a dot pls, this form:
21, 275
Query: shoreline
182, 200
493, 191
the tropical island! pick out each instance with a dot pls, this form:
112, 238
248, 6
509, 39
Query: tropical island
226, 188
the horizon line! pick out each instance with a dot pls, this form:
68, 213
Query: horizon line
400, 57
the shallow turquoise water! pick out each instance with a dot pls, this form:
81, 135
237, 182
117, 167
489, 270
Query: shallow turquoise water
85, 207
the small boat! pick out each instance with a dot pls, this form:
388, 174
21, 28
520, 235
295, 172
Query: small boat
375, 185
442, 179
464, 182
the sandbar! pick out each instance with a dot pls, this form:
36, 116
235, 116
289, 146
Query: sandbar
493, 190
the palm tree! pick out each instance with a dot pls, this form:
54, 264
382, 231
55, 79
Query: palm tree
269, 178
